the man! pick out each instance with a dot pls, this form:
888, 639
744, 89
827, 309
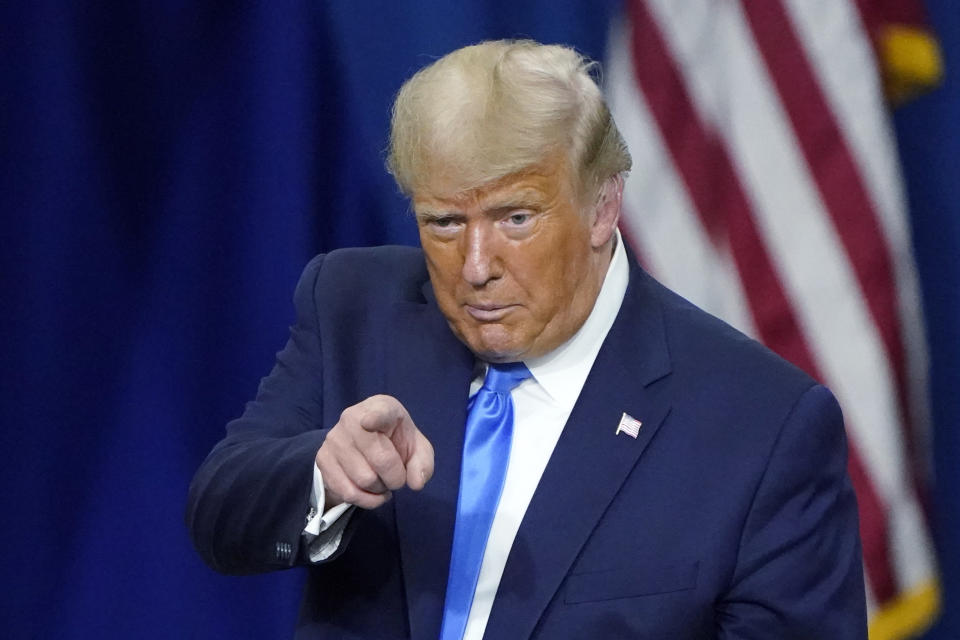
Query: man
661, 476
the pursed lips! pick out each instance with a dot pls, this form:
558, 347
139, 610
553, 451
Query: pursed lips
488, 312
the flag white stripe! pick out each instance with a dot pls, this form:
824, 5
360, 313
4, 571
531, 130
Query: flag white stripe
790, 213
871, 598
657, 208
839, 50
693, 33
726, 79
856, 100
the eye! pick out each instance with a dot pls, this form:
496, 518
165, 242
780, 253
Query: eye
443, 226
440, 222
519, 218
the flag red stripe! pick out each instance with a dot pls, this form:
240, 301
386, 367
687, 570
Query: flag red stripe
873, 532
904, 12
836, 175
842, 187
714, 188
719, 199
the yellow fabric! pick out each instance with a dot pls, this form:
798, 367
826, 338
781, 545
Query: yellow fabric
909, 615
911, 61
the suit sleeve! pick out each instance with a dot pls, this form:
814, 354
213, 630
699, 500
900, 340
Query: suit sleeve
249, 499
799, 571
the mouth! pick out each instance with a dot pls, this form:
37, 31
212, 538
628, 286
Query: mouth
488, 312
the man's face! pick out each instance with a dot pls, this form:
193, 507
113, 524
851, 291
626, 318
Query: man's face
516, 264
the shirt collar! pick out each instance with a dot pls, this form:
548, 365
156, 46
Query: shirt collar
563, 371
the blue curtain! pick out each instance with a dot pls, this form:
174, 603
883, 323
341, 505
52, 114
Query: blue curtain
166, 171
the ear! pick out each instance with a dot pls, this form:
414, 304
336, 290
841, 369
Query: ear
606, 212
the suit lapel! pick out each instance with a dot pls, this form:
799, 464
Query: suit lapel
429, 371
589, 463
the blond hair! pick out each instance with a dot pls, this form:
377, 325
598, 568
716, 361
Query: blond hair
496, 108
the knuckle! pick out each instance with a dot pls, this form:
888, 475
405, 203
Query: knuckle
372, 413
381, 399
335, 437
367, 416
330, 451
366, 479
381, 457
388, 404
327, 453
321, 460
335, 487
347, 415
351, 495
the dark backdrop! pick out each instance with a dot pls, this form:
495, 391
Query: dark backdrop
166, 171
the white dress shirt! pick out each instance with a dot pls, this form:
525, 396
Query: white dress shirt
542, 405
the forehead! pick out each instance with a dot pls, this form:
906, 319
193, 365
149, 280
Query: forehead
535, 185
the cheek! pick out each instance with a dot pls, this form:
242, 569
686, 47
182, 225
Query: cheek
551, 277
443, 265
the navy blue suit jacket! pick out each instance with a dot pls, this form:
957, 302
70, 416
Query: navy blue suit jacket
730, 516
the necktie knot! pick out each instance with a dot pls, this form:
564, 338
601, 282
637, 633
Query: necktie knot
502, 378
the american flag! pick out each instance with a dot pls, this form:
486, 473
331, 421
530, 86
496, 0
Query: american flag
766, 189
629, 425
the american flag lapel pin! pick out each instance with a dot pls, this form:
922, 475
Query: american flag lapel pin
629, 425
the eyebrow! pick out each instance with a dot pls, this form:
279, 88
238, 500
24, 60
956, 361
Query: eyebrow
430, 214
526, 199
523, 200
510, 205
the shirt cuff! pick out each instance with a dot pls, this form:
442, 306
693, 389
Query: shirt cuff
324, 531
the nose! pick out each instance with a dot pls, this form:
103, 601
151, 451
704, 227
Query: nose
480, 261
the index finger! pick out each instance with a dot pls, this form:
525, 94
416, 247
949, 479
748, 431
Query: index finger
383, 414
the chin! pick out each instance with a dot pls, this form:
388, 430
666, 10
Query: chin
500, 357
492, 342
496, 350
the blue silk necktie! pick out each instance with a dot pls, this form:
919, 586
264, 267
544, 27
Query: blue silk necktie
486, 451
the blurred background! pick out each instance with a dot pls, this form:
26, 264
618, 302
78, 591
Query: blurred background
167, 170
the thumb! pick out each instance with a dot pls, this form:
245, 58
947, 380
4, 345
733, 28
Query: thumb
419, 465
